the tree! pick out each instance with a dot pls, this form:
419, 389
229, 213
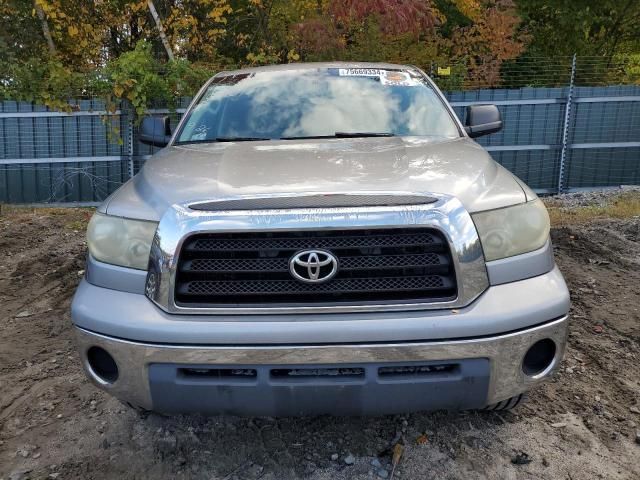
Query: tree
586, 27
393, 16
487, 43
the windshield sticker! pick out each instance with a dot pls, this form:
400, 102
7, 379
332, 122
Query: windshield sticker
199, 133
394, 78
390, 78
359, 72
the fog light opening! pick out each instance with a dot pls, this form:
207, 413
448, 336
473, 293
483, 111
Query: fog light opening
102, 365
539, 358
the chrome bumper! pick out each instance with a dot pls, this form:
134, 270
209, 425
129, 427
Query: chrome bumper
504, 352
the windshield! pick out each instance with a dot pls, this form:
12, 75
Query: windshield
317, 103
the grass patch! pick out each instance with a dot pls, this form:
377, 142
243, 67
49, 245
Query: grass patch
624, 205
73, 218
78, 225
18, 209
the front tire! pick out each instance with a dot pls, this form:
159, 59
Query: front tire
508, 404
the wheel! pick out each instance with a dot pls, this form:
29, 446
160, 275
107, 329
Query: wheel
507, 404
143, 412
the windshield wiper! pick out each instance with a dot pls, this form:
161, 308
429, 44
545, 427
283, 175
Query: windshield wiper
343, 135
240, 139
258, 139
223, 139
362, 134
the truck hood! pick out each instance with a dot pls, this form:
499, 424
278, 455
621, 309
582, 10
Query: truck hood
189, 173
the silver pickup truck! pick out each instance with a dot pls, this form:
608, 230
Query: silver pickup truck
321, 239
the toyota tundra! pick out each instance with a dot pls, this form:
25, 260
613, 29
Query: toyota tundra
321, 239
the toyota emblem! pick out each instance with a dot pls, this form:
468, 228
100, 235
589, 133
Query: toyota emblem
313, 266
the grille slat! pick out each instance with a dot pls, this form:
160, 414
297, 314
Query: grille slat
375, 265
291, 287
204, 265
378, 262
293, 243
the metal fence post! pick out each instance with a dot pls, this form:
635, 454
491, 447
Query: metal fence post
128, 136
565, 130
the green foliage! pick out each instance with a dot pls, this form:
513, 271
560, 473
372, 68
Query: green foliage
46, 82
454, 17
586, 27
630, 68
136, 77
139, 78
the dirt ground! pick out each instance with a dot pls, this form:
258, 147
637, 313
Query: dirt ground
55, 424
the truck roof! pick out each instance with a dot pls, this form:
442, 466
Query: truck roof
315, 66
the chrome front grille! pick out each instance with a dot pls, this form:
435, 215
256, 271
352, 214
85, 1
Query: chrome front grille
391, 256
375, 265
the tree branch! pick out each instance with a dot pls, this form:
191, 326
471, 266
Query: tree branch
45, 27
163, 36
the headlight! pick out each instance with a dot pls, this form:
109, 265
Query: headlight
513, 230
120, 241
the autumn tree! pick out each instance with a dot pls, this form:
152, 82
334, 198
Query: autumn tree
491, 39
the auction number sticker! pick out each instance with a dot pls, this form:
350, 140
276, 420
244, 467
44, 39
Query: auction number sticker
359, 72
386, 77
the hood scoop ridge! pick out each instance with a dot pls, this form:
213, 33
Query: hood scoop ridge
325, 200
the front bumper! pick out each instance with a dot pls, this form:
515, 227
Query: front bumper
501, 308
480, 371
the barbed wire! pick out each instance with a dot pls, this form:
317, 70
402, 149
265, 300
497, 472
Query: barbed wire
531, 72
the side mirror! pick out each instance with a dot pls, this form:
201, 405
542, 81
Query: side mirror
155, 131
482, 120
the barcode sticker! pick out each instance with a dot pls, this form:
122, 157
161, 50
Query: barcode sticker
359, 72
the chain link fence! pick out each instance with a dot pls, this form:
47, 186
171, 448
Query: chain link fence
570, 123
